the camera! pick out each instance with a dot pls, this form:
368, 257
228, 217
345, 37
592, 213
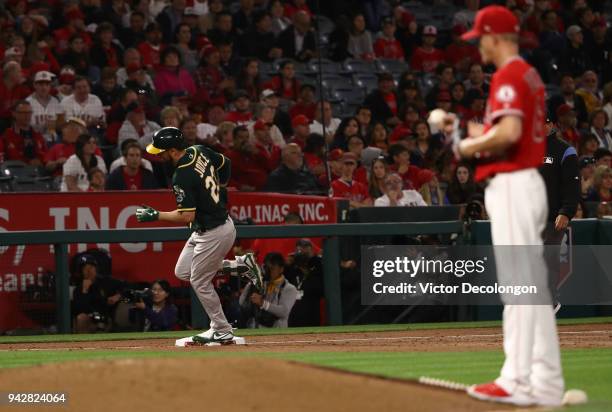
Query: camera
134, 295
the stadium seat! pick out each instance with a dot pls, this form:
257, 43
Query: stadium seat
392, 66
332, 82
359, 66
25, 178
327, 66
268, 68
354, 95
6, 184
367, 82
326, 25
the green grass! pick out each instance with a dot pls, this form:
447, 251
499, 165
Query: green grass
292, 331
587, 369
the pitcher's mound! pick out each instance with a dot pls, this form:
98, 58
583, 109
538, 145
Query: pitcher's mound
224, 385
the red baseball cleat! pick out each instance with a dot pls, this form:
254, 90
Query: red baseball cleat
495, 393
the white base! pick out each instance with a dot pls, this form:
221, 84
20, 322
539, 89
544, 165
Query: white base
181, 343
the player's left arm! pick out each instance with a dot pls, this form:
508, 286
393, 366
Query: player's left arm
506, 132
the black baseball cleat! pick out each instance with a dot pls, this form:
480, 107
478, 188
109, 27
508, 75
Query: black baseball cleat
254, 274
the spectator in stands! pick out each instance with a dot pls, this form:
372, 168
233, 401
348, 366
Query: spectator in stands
171, 78
297, 41
331, 123
446, 77
360, 44
132, 176
77, 166
91, 307
210, 79
399, 157
65, 85
244, 17
378, 137
97, 180
589, 91
476, 79
107, 89
431, 191
406, 32
159, 314
272, 309
134, 33
223, 30
248, 79
586, 165
121, 161
150, 48
12, 90
462, 187
132, 63
383, 102
190, 131
58, 153
284, 246
588, 145
75, 25
466, 15
551, 39
105, 53
170, 18
266, 145
292, 176
364, 118
386, 45
570, 97
426, 58
409, 115
602, 157
602, 185
47, 114
285, 84
460, 54
314, 157
356, 145
294, 6
183, 42
348, 127
250, 168
348, 188
136, 126
269, 98
426, 149
258, 40
305, 271
279, 21
223, 139
301, 130
376, 181
84, 105
339, 38
214, 116
566, 124
475, 99
306, 103
601, 45
396, 196
77, 56
597, 126
242, 108
21, 142
575, 59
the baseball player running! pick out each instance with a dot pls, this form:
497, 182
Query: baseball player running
198, 185
510, 147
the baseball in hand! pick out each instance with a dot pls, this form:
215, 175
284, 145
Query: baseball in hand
436, 119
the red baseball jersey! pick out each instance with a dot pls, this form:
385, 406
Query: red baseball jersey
350, 190
516, 90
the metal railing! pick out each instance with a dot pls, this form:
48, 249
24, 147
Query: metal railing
331, 254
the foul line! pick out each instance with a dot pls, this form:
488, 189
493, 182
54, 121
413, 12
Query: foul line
318, 341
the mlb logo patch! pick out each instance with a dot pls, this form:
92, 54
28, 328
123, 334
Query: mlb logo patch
548, 160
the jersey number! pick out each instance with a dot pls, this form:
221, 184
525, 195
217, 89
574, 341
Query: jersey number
211, 184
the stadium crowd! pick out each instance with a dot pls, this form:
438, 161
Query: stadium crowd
86, 83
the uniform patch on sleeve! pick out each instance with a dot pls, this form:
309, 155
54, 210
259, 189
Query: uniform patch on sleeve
178, 193
505, 94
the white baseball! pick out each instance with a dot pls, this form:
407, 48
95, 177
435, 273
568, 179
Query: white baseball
436, 117
575, 397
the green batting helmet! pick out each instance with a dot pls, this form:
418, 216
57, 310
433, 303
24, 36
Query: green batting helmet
166, 138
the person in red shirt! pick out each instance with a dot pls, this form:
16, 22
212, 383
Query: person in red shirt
21, 142
400, 156
355, 145
132, 176
12, 90
293, 6
459, 53
314, 157
566, 124
510, 146
347, 188
265, 145
58, 153
75, 20
151, 48
285, 84
426, 58
383, 102
249, 168
306, 104
104, 53
242, 108
301, 130
387, 46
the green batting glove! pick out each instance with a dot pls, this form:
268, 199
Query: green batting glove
146, 214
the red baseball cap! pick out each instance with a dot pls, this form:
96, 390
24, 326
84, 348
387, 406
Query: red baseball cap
493, 20
132, 68
563, 110
334, 155
300, 120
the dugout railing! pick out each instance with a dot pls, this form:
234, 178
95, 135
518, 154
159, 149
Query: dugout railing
331, 250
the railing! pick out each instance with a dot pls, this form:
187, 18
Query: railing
331, 267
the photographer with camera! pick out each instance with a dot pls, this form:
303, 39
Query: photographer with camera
155, 308
305, 271
271, 307
94, 298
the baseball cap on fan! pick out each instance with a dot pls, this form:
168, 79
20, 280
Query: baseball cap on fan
43, 76
493, 20
430, 31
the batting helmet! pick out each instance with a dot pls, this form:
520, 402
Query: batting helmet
166, 138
